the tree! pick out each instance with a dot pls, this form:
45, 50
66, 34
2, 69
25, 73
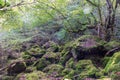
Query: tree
107, 23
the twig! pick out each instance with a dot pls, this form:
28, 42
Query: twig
117, 48
16, 5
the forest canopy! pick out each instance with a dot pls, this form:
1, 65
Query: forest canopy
74, 16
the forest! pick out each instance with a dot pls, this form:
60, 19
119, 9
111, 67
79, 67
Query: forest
59, 39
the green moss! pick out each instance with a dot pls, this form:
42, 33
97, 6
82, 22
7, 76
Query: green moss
99, 74
105, 60
114, 61
51, 46
41, 64
54, 68
7, 78
112, 44
33, 52
68, 73
64, 57
25, 55
36, 75
30, 69
32, 76
86, 69
70, 63
113, 66
52, 57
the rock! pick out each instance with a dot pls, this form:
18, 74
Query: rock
7, 78
35, 51
105, 61
113, 63
112, 44
16, 68
41, 64
86, 68
51, 46
105, 79
53, 69
13, 55
83, 46
52, 57
113, 66
36, 75
70, 63
30, 69
68, 73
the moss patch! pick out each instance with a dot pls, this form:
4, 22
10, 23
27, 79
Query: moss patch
113, 65
54, 69
41, 64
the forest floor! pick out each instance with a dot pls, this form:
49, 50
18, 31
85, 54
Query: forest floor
84, 58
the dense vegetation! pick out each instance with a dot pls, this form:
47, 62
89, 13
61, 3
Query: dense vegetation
59, 40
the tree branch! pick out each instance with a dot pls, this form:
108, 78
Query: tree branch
16, 5
92, 3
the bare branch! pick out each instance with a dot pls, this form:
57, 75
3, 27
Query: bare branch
16, 5
92, 3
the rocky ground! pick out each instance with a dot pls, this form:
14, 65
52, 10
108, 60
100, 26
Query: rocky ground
85, 58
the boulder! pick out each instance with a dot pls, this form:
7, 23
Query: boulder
83, 46
16, 68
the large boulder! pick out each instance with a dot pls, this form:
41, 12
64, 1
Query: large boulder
16, 68
83, 46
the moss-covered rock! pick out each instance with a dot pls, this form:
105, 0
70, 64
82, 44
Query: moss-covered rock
30, 69
16, 68
52, 57
84, 45
113, 65
114, 61
112, 44
105, 61
51, 46
68, 73
41, 64
34, 51
85, 68
36, 75
7, 78
70, 63
55, 69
